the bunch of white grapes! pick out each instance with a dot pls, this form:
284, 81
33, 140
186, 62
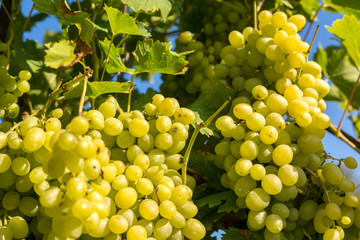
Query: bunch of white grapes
272, 147
217, 21
107, 174
11, 88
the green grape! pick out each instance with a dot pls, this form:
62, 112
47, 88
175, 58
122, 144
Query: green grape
351, 199
350, 162
168, 210
307, 210
24, 75
243, 166
257, 172
274, 223
146, 143
321, 120
125, 197
309, 144
108, 109
163, 124
10, 200
332, 173
23, 86
271, 184
168, 106
282, 155
18, 227
5, 162
333, 211
178, 131
241, 111
92, 168
257, 199
281, 210
82, 208
29, 206
256, 219
288, 175
268, 134
20, 166
194, 229
163, 141
332, 234
76, 188
139, 127
133, 172
125, 139
236, 39
148, 209
277, 103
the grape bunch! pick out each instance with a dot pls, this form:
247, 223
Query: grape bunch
107, 174
217, 21
272, 150
11, 88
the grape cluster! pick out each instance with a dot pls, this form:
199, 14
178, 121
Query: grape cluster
218, 20
272, 147
107, 174
11, 88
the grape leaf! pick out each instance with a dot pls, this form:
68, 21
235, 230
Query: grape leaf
123, 23
341, 72
115, 63
348, 7
61, 9
158, 57
60, 53
150, 5
310, 6
235, 234
225, 200
207, 103
45, 6
95, 89
348, 29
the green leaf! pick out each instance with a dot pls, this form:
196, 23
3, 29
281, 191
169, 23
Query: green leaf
235, 234
207, 103
61, 9
95, 89
83, 23
60, 54
310, 6
45, 6
321, 58
150, 5
348, 29
115, 64
342, 73
348, 7
158, 57
123, 23
226, 201
335, 95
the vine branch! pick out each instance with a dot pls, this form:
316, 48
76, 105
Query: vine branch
348, 104
352, 142
198, 127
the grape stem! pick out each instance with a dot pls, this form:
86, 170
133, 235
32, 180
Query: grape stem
255, 16
53, 96
28, 18
313, 39
348, 104
78, 5
321, 182
82, 99
313, 20
198, 127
